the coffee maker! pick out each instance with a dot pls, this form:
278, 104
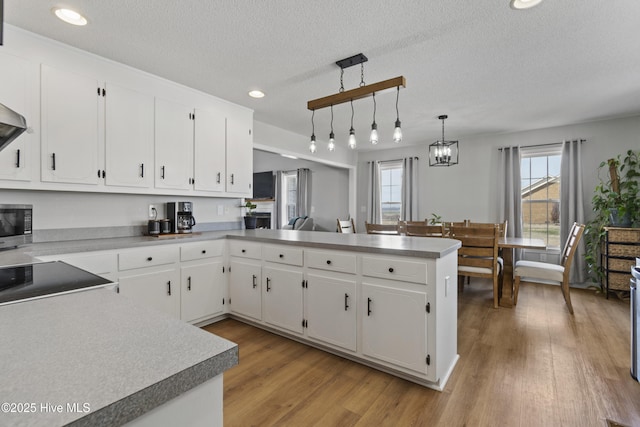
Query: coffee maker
181, 216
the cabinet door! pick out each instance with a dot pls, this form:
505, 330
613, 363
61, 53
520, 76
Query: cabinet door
245, 289
331, 310
282, 298
69, 127
128, 137
210, 151
394, 326
239, 152
15, 86
173, 145
202, 290
159, 290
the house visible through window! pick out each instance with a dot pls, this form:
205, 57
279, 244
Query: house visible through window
390, 191
540, 174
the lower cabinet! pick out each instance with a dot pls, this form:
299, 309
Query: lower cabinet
202, 290
245, 288
331, 309
159, 289
394, 326
282, 298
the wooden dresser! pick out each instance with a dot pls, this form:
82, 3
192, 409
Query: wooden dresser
622, 246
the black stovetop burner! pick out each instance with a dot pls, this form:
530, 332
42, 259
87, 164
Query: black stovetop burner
28, 281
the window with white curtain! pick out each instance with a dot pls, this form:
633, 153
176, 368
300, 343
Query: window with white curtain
390, 191
289, 196
540, 191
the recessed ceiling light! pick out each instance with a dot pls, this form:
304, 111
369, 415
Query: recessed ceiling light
524, 4
256, 94
70, 16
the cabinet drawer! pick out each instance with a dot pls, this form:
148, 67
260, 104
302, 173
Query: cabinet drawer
330, 260
245, 249
283, 255
200, 250
619, 281
395, 269
614, 249
147, 257
618, 264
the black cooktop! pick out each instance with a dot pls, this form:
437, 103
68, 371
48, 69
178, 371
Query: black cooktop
26, 281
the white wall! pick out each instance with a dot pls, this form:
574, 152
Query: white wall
469, 190
329, 186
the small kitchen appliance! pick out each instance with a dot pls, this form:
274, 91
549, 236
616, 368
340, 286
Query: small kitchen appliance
15, 225
181, 216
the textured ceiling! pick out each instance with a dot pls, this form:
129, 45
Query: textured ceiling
490, 68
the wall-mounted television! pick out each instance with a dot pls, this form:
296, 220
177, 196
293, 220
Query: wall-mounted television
263, 187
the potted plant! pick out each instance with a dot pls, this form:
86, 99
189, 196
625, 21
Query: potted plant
615, 203
435, 219
250, 220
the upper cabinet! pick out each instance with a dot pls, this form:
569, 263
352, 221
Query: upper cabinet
210, 150
70, 135
239, 152
18, 78
129, 137
174, 145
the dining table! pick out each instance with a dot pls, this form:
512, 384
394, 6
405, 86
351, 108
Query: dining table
508, 245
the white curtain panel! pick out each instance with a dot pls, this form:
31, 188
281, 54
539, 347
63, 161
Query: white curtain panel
303, 196
374, 214
510, 193
572, 203
410, 189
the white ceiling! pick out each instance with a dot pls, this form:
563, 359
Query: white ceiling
490, 68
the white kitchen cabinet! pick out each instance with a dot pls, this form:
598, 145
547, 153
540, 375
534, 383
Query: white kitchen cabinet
245, 288
282, 298
129, 137
19, 77
173, 145
239, 152
159, 289
70, 135
202, 290
210, 136
394, 325
330, 309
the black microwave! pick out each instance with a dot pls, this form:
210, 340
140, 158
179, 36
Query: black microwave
16, 224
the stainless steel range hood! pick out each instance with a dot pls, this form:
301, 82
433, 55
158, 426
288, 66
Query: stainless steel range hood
12, 125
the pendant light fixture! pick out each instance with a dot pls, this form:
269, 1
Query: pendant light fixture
363, 91
352, 132
443, 152
374, 127
397, 132
332, 138
312, 144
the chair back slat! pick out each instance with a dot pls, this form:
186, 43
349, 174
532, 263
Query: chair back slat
502, 226
388, 229
572, 244
346, 226
423, 230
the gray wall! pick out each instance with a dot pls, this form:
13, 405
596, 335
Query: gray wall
469, 189
329, 186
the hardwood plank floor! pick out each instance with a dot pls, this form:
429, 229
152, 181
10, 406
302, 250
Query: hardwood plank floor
533, 365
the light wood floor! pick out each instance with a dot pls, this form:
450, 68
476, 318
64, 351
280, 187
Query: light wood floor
533, 365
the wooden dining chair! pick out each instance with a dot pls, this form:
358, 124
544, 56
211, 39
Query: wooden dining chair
387, 229
423, 230
478, 256
532, 271
346, 226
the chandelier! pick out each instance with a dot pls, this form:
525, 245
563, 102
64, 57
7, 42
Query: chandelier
363, 91
443, 152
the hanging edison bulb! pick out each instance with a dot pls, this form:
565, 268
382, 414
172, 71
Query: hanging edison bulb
332, 138
312, 143
397, 132
373, 138
352, 133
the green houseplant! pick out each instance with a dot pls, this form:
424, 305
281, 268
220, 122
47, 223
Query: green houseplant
615, 202
250, 220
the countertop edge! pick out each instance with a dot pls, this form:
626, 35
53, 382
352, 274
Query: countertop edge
137, 404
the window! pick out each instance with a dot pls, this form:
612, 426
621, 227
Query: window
289, 196
540, 174
390, 191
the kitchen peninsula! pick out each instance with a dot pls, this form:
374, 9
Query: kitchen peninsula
389, 302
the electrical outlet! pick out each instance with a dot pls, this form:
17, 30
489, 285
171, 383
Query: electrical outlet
543, 257
220, 210
153, 213
447, 279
